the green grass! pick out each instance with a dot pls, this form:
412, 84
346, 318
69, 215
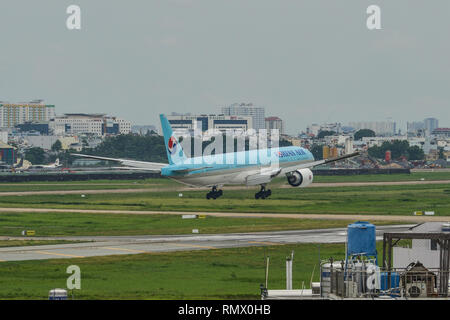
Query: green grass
166, 183
22, 243
86, 185
81, 224
385, 200
204, 274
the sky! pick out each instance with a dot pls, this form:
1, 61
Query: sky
308, 61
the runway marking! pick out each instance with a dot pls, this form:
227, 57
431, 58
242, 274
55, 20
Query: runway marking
329, 216
268, 243
59, 254
123, 249
192, 245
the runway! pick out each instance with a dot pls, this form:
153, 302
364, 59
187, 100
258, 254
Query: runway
120, 245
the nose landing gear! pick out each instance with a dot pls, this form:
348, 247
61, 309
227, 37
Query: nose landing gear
263, 193
214, 193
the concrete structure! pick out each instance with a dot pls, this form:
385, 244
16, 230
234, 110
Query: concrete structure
441, 132
313, 129
275, 123
378, 141
415, 127
38, 141
4, 136
387, 128
97, 124
430, 124
247, 109
14, 114
142, 129
424, 250
41, 127
207, 122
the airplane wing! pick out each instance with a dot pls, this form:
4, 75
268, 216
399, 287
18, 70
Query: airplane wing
129, 164
319, 162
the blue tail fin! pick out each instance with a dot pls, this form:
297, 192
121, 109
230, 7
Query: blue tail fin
175, 153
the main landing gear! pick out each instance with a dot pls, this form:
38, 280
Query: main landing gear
214, 193
263, 193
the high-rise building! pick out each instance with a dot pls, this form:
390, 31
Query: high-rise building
247, 109
415, 127
431, 124
19, 113
206, 122
275, 123
387, 128
97, 124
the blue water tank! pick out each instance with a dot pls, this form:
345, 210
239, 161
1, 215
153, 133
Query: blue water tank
361, 238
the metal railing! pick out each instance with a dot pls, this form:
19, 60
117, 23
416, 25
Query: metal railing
404, 283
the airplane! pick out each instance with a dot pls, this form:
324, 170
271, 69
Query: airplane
50, 166
217, 170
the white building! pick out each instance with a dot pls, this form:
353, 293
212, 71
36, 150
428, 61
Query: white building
423, 250
4, 136
33, 111
204, 122
247, 109
378, 141
313, 129
97, 124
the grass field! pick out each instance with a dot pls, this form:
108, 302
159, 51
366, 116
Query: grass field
205, 274
82, 224
162, 183
22, 243
384, 200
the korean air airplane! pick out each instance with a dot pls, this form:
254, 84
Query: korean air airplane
252, 167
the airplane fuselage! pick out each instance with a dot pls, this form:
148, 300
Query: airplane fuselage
236, 167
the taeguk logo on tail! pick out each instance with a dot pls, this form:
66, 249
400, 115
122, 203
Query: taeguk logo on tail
172, 145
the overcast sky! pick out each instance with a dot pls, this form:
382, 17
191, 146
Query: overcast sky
305, 61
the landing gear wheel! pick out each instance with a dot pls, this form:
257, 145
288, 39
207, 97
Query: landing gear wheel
263, 194
214, 193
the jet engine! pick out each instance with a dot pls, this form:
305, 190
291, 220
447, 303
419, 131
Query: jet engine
300, 178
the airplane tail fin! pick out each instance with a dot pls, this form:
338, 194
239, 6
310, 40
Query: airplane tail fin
175, 153
57, 162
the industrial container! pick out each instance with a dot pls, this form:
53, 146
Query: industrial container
325, 276
395, 282
361, 239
